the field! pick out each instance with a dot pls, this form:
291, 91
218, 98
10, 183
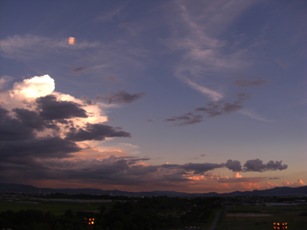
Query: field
262, 217
57, 207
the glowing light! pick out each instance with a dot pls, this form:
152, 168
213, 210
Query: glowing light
280, 225
91, 221
71, 40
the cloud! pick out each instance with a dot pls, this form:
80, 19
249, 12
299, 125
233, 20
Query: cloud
203, 54
95, 132
297, 183
35, 87
38, 123
237, 180
52, 147
93, 56
134, 172
257, 165
186, 119
121, 97
234, 165
13, 129
212, 109
51, 109
111, 14
218, 108
199, 168
300, 182
57, 137
213, 95
253, 115
31, 46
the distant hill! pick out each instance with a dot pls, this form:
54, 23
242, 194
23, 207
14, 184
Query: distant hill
278, 191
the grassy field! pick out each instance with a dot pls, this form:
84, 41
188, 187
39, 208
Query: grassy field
55, 207
262, 217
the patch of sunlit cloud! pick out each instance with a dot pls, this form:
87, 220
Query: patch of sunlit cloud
195, 177
32, 88
93, 153
298, 182
237, 175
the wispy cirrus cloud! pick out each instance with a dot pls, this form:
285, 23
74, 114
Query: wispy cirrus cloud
32, 46
253, 115
94, 56
214, 95
110, 14
204, 55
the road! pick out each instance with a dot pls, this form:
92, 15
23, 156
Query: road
215, 220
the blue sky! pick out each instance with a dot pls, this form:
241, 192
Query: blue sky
192, 96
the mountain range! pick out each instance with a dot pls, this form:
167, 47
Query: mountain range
277, 191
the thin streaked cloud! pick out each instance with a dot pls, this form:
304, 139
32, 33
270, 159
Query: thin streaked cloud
253, 115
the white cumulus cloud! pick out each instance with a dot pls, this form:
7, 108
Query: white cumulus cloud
37, 86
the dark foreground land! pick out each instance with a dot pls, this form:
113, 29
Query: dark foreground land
128, 213
241, 217
59, 211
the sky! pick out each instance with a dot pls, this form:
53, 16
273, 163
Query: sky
190, 96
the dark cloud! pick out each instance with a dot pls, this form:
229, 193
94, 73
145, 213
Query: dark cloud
234, 165
212, 109
53, 147
218, 108
29, 118
12, 129
276, 165
95, 132
51, 109
46, 134
78, 69
120, 171
186, 119
249, 83
257, 165
199, 168
121, 97
18, 137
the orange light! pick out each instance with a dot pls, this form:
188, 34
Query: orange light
91, 221
71, 40
280, 225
